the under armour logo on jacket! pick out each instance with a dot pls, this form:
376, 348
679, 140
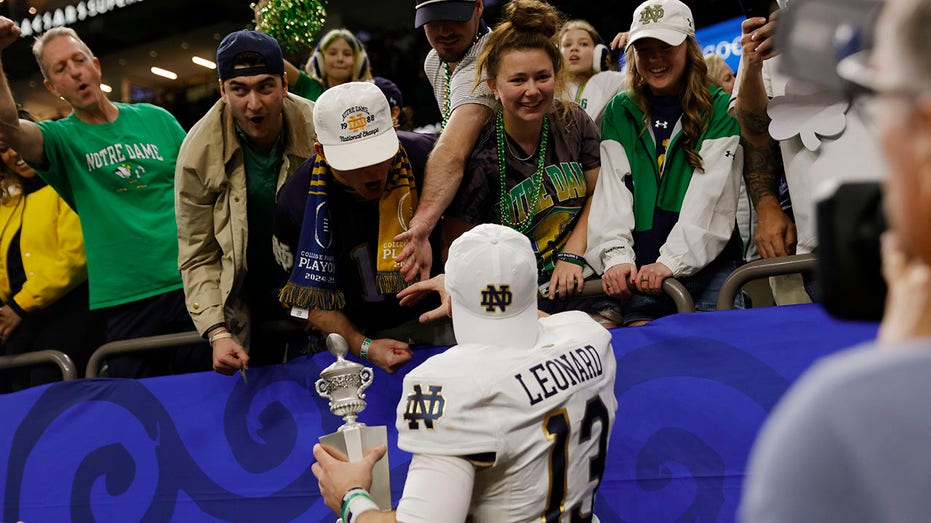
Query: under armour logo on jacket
661, 123
729, 154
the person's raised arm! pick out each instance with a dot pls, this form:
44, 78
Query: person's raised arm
388, 354
22, 135
775, 235
443, 175
292, 72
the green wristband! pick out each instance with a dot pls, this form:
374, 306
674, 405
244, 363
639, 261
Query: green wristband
347, 501
364, 351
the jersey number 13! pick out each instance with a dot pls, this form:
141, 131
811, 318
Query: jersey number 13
556, 428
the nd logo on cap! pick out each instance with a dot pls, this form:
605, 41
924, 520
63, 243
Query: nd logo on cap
355, 120
651, 13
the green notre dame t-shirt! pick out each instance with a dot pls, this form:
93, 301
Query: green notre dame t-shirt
119, 178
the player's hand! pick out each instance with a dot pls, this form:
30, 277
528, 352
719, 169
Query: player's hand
389, 355
229, 356
9, 33
649, 279
9, 320
418, 291
619, 41
336, 475
616, 280
416, 257
775, 234
566, 280
757, 38
908, 302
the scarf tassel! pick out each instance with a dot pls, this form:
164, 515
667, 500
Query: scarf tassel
312, 297
390, 282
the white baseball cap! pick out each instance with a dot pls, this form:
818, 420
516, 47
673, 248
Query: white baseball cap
491, 277
667, 20
354, 126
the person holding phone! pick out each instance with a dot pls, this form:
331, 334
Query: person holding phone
848, 441
784, 129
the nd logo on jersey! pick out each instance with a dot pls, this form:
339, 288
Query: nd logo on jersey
424, 407
497, 298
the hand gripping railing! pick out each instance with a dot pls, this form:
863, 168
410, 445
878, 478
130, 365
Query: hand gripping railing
671, 286
762, 269
41, 357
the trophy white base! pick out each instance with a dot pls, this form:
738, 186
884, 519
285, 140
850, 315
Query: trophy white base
354, 442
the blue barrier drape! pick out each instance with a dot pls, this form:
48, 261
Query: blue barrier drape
693, 390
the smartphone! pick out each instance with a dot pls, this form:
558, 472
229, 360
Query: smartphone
757, 8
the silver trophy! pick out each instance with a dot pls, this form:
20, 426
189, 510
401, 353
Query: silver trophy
342, 383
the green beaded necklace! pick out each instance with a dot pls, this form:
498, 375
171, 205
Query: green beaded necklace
446, 110
506, 201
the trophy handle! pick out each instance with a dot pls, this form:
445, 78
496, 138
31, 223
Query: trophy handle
366, 376
322, 390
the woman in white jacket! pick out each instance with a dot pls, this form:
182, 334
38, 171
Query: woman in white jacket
665, 203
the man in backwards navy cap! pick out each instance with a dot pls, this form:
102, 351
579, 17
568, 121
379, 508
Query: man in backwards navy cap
229, 170
457, 33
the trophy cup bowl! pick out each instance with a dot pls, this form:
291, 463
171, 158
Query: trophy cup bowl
343, 383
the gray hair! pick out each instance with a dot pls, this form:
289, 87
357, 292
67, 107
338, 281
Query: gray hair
915, 39
39, 46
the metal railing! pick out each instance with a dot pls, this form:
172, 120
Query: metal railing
41, 357
178, 339
762, 269
671, 286
108, 350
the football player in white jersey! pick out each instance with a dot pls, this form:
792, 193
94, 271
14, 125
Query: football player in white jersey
510, 425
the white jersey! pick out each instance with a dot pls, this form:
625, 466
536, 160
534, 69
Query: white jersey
541, 416
595, 94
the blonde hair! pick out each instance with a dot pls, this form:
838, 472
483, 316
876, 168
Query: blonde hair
527, 24
579, 25
39, 46
715, 63
361, 72
696, 99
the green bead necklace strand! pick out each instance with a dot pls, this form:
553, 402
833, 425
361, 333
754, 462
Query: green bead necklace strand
506, 201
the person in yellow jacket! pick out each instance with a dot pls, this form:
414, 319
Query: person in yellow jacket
43, 274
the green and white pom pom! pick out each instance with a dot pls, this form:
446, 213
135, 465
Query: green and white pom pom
294, 23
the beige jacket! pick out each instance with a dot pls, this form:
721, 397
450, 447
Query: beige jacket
210, 207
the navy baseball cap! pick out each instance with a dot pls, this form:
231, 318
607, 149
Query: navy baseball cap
391, 91
245, 41
442, 10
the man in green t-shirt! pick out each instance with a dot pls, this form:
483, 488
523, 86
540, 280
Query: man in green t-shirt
229, 171
113, 163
